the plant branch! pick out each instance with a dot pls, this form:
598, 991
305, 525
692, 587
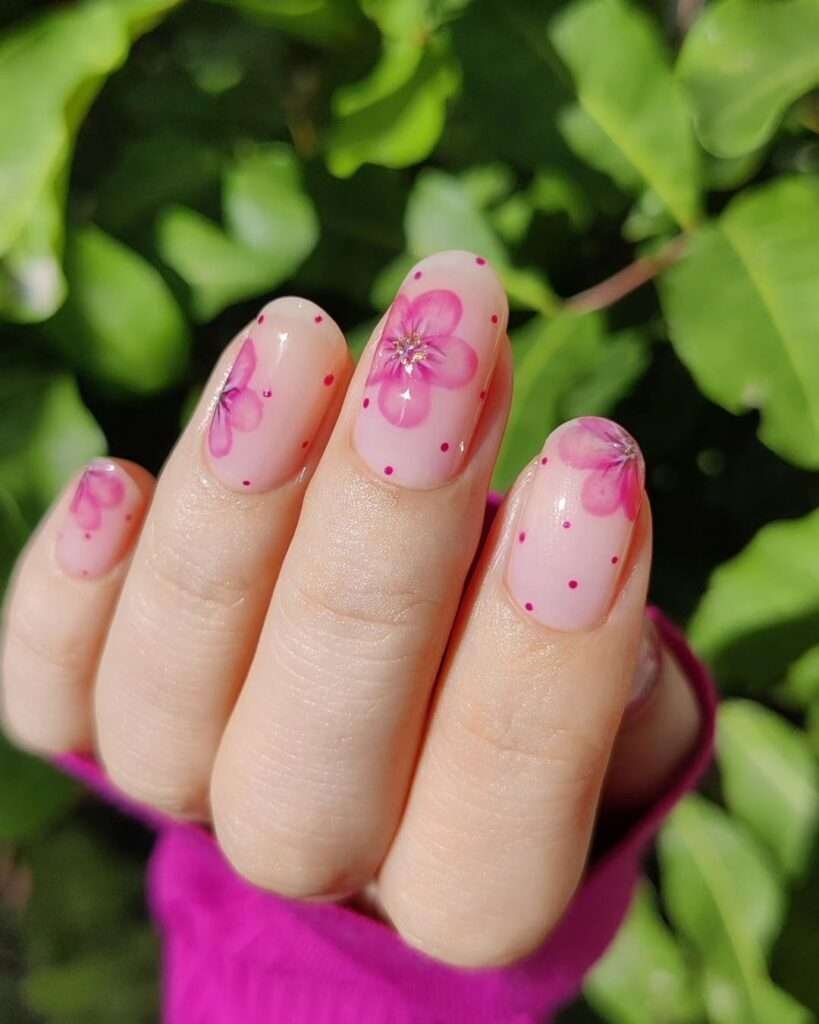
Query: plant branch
629, 279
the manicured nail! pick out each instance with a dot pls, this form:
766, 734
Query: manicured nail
271, 404
649, 663
103, 514
430, 370
575, 528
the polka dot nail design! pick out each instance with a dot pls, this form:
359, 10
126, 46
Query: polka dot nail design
275, 395
99, 521
577, 524
430, 369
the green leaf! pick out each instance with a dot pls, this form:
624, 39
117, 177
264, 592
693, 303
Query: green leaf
742, 309
270, 229
32, 795
630, 120
395, 116
565, 367
644, 977
744, 62
761, 609
442, 214
801, 685
121, 324
770, 781
13, 533
317, 21
723, 897
53, 66
46, 434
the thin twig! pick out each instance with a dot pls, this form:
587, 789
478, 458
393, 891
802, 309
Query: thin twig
629, 279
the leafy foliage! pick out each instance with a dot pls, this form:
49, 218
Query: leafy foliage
643, 175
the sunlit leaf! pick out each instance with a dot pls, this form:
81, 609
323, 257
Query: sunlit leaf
630, 119
32, 795
744, 62
742, 309
121, 324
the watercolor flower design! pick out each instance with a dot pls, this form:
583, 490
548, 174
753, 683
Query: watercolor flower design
99, 488
616, 466
238, 407
418, 351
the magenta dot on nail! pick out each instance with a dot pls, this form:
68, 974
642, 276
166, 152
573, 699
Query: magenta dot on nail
366, 403
529, 606
615, 559
543, 461
445, 446
245, 483
389, 470
328, 380
267, 393
483, 395
318, 318
305, 444
573, 584
417, 275
494, 318
128, 518
480, 261
261, 319
522, 536
566, 524
85, 572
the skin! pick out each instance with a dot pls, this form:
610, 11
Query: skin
304, 667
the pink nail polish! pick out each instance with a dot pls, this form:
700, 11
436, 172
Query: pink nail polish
576, 525
275, 396
101, 518
430, 370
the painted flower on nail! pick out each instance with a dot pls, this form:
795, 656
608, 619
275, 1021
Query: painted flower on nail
613, 456
99, 488
418, 351
238, 407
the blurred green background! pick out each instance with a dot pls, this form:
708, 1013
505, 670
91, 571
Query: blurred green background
646, 178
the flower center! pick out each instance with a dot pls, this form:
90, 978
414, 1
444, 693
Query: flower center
410, 349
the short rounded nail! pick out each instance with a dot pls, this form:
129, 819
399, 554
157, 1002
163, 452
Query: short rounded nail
576, 524
647, 670
272, 402
103, 514
430, 370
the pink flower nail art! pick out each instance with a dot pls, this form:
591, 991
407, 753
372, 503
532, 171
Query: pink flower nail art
99, 488
418, 351
613, 456
238, 407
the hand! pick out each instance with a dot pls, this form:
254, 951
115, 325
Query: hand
277, 638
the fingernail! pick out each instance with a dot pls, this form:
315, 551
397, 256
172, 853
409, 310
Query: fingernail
575, 528
430, 370
271, 404
647, 672
102, 516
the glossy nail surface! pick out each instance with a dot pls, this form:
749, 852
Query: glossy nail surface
576, 524
430, 370
276, 394
100, 521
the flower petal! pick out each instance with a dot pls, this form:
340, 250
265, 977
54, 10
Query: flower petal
104, 487
242, 369
602, 491
244, 408
220, 436
583, 445
396, 326
404, 401
84, 509
451, 362
435, 313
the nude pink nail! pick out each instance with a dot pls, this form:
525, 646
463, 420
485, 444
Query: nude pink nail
430, 370
103, 514
270, 406
576, 525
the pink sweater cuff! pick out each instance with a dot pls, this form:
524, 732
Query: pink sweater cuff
235, 954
